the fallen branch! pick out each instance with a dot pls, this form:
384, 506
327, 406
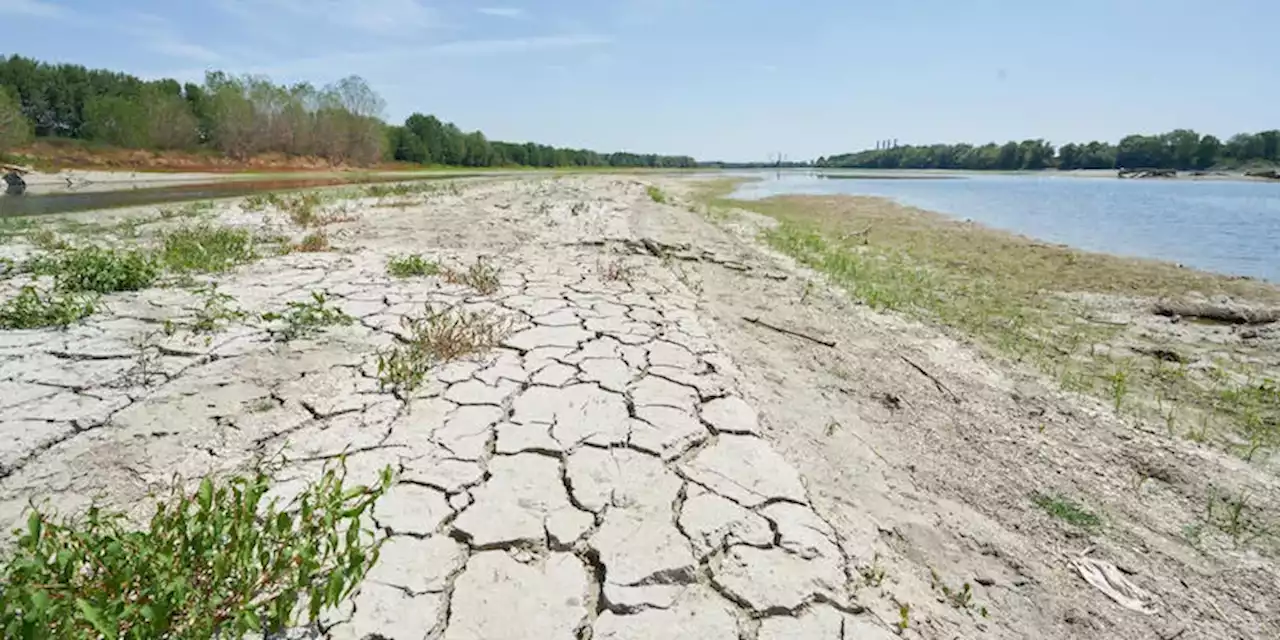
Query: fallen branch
941, 387
822, 341
1234, 314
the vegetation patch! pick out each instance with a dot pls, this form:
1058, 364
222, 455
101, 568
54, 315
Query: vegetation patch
1031, 303
302, 319
434, 338
206, 248
656, 194
98, 270
314, 242
1066, 510
33, 309
220, 563
481, 276
412, 266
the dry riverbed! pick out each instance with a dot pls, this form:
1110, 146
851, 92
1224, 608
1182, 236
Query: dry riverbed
627, 454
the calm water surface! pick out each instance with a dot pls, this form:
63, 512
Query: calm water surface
1228, 227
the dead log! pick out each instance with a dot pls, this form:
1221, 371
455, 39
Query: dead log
1228, 313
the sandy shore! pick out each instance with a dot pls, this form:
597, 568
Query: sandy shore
645, 454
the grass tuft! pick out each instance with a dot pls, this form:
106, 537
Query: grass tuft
481, 276
412, 266
314, 242
1066, 510
434, 338
656, 194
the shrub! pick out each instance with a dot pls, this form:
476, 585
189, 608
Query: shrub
221, 563
656, 194
480, 276
434, 338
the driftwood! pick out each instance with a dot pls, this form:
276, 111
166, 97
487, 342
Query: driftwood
1229, 313
1147, 173
1270, 174
822, 341
938, 383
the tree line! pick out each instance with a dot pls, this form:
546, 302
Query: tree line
242, 116
1181, 149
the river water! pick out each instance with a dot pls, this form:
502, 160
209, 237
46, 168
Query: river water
1224, 226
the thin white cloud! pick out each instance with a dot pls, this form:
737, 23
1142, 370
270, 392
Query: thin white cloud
373, 16
511, 13
160, 36
32, 8
517, 45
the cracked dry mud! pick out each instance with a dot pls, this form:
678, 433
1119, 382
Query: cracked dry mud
598, 475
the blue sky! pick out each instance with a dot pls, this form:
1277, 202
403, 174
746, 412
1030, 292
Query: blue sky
738, 79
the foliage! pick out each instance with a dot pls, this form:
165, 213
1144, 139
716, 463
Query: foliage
15, 129
99, 270
302, 319
1066, 510
206, 248
1179, 149
413, 265
222, 563
656, 194
247, 115
481, 276
217, 311
434, 338
31, 309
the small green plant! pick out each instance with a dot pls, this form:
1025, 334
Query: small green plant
31, 309
656, 194
98, 270
434, 338
216, 312
302, 319
206, 248
1232, 514
221, 563
904, 616
481, 276
872, 575
961, 598
1066, 510
411, 266
146, 370
46, 239
1119, 387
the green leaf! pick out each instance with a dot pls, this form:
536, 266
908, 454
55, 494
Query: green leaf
34, 525
205, 494
94, 616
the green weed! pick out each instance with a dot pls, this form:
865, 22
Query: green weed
314, 242
872, 575
411, 266
216, 312
1066, 510
302, 319
206, 248
904, 617
31, 309
656, 194
220, 563
961, 598
98, 270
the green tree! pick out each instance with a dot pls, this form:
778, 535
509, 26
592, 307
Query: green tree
15, 129
116, 120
